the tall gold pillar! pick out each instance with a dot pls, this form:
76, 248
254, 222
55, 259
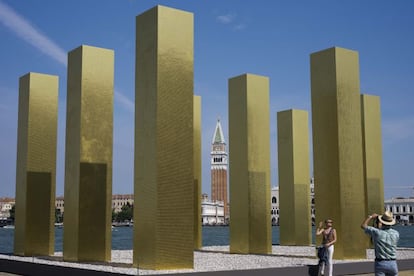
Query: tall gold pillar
372, 149
294, 179
197, 173
337, 147
249, 151
164, 160
88, 174
36, 165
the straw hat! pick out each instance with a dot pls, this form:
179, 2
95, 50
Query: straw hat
387, 218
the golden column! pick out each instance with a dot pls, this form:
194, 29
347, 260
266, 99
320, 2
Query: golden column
36, 165
294, 179
372, 149
197, 173
164, 160
88, 175
337, 147
249, 151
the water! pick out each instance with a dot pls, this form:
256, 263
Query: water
218, 235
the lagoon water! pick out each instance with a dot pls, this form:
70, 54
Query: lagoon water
212, 235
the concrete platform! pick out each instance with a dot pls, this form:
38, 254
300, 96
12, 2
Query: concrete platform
13, 267
210, 261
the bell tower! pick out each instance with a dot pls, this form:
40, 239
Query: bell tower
219, 163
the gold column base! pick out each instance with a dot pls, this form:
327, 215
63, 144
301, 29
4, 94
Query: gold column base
337, 147
164, 151
198, 242
88, 175
372, 148
249, 148
294, 177
36, 165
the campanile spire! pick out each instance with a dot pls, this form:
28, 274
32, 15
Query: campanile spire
219, 163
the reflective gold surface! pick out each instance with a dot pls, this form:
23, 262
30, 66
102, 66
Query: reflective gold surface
88, 175
164, 160
372, 149
36, 165
39, 185
337, 147
197, 173
293, 167
249, 151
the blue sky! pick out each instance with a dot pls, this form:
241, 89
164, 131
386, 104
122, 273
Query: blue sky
232, 37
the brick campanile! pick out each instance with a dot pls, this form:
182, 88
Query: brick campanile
219, 165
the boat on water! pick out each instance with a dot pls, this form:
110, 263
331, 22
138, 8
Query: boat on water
10, 226
59, 224
123, 224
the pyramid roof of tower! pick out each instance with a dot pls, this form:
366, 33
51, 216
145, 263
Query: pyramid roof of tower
218, 137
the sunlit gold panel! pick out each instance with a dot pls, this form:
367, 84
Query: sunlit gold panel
294, 179
372, 149
249, 148
164, 160
88, 175
337, 147
36, 165
197, 173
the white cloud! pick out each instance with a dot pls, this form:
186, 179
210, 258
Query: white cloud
28, 32
239, 27
227, 18
124, 101
397, 130
230, 19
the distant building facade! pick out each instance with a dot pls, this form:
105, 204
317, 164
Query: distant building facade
118, 201
219, 165
6, 204
274, 211
60, 204
212, 212
402, 208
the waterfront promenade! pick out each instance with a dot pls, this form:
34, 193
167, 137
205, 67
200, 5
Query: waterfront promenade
211, 261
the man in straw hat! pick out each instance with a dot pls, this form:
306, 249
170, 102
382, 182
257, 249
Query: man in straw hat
385, 241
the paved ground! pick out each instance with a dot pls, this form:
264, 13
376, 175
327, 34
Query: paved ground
401, 273
310, 270
211, 261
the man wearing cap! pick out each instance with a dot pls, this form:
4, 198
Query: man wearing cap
385, 241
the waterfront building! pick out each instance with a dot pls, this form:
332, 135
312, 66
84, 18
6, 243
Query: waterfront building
219, 164
402, 208
60, 204
6, 204
119, 201
212, 212
274, 211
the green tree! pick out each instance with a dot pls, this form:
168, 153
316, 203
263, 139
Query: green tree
126, 213
113, 214
58, 216
12, 213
